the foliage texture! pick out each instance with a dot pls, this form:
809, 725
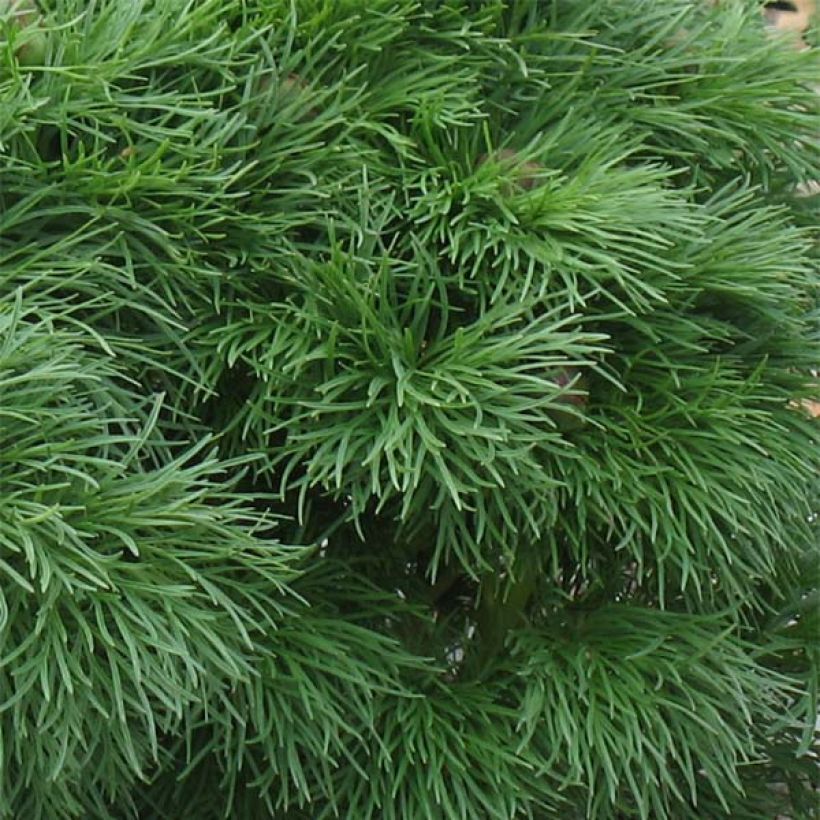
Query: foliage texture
400, 411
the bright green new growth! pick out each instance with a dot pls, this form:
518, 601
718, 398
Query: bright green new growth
501, 315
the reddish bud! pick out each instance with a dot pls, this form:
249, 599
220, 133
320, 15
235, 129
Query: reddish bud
572, 385
527, 173
24, 15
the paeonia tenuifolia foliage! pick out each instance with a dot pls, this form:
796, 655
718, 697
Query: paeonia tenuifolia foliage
402, 411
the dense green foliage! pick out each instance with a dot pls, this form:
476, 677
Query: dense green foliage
400, 411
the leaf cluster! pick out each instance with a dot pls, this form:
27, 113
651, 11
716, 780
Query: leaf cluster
503, 314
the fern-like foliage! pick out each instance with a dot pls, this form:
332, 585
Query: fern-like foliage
402, 411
